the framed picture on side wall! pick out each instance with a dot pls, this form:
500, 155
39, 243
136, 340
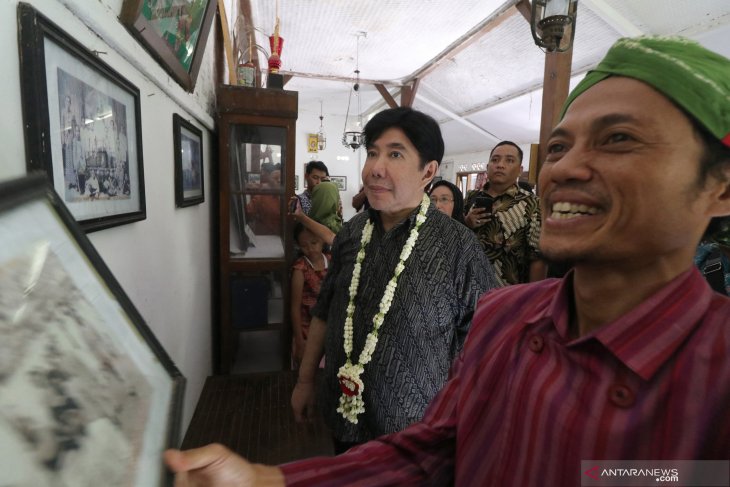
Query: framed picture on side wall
173, 32
188, 147
88, 396
340, 182
82, 125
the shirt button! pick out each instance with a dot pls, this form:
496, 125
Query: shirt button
536, 343
621, 396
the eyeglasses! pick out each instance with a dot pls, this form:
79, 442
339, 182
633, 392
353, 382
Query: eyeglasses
442, 200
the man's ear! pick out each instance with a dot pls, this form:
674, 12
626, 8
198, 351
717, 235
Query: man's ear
429, 172
720, 193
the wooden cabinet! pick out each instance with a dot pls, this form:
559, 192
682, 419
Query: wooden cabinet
256, 129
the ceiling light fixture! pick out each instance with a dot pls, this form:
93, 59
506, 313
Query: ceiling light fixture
321, 139
352, 136
553, 23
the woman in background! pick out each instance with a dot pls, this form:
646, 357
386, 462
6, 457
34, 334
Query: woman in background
448, 199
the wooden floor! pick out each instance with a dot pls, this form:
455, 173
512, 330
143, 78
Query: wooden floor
251, 415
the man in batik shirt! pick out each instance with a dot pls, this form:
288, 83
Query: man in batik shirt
508, 229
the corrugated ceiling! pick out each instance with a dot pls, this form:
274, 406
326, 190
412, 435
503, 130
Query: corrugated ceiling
492, 85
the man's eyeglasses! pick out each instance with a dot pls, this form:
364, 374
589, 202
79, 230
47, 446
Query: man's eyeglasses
442, 200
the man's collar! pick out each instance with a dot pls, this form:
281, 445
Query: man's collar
409, 221
645, 337
512, 190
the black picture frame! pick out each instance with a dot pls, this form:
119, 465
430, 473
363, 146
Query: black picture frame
82, 125
88, 395
340, 182
189, 167
155, 27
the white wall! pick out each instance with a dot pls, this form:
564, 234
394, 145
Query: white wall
163, 262
451, 163
351, 167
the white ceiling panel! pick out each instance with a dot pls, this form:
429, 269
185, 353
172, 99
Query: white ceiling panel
474, 85
681, 17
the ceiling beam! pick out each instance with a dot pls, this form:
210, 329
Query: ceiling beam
530, 89
476, 33
612, 17
408, 93
387, 96
227, 47
454, 116
523, 7
330, 77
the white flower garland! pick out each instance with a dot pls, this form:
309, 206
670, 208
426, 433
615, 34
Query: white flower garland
351, 402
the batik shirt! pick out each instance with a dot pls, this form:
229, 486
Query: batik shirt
527, 401
423, 331
305, 199
510, 238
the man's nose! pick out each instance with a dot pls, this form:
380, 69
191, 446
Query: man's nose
377, 166
572, 166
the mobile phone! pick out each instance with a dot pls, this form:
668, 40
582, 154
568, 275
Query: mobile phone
483, 202
293, 205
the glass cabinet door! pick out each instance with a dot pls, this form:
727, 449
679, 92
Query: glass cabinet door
258, 200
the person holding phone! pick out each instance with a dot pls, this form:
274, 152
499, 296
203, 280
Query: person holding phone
506, 218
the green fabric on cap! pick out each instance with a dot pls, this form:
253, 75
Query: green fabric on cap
693, 77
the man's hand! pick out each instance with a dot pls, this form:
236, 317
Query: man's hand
302, 401
217, 466
476, 217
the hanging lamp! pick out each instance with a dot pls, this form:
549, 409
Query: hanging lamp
321, 138
553, 24
352, 136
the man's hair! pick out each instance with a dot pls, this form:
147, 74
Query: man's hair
421, 129
714, 160
319, 165
507, 142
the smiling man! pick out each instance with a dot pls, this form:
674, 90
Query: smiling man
509, 229
626, 358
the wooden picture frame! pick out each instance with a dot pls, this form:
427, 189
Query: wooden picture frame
174, 33
189, 167
340, 182
82, 125
88, 395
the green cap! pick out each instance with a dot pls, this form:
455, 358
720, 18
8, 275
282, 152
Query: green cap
693, 77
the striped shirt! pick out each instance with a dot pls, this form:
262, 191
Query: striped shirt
526, 403
422, 333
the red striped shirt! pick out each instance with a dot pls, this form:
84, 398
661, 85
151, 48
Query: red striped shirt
526, 404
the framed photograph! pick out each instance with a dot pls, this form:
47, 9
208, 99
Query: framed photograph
173, 32
312, 140
88, 395
340, 182
253, 180
82, 125
296, 182
188, 143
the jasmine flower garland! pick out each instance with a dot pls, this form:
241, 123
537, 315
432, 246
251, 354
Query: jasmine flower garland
351, 402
